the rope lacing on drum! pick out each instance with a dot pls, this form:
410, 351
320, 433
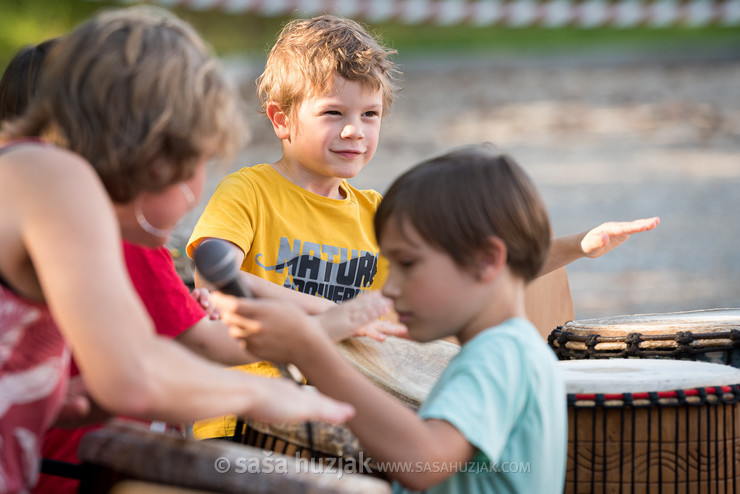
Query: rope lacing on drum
591, 342
633, 341
712, 395
686, 344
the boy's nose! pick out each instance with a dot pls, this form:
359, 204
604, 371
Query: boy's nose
351, 131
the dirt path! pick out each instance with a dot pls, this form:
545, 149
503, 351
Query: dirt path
603, 142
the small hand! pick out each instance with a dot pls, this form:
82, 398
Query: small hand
203, 297
272, 329
360, 317
607, 236
380, 328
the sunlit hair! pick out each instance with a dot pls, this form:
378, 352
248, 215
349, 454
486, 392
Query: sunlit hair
309, 52
459, 200
21, 79
136, 92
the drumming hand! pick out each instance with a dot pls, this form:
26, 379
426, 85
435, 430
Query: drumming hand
607, 236
203, 297
360, 317
380, 328
298, 404
273, 330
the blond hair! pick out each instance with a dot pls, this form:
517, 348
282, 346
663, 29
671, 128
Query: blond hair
309, 52
135, 92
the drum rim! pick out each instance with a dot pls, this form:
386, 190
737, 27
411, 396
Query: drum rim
659, 320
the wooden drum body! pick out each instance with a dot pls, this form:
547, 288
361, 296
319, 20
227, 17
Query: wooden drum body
652, 425
704, 335
404, 368
120, 453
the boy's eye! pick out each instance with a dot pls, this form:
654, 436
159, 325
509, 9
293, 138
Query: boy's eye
406, 263
331, 112
371, 114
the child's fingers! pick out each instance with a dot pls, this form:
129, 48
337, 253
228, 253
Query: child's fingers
245, 330
244, 324
379, 329
226, 303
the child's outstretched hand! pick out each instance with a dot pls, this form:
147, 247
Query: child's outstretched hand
607, 236
360, 317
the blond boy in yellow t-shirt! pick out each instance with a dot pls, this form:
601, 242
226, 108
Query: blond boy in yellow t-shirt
297, 222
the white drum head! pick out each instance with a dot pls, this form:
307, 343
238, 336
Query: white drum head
643, 375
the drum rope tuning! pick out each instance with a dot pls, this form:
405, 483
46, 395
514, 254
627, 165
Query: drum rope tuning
681, 345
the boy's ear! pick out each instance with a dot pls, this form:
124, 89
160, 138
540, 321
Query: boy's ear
492, 259
279, 119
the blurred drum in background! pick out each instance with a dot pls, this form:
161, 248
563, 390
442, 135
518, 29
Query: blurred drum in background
652, 425
706, 335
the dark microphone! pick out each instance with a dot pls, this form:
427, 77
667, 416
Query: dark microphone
215, 260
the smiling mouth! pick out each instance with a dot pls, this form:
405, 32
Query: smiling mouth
348, 153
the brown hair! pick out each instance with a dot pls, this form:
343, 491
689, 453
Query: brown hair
135, 92
309, 52
460, 199
21, 78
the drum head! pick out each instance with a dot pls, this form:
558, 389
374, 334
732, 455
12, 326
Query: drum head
405, 368
643, 375
698, 321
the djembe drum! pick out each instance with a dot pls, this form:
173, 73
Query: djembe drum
704, 335
652, 425
404, 368
120, 454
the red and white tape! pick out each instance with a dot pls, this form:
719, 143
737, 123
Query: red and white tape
512, 13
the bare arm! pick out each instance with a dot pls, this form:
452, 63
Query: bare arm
389, 431
210, 339
72, 242
593, 243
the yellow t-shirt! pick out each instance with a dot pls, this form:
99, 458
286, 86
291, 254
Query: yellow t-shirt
295, 238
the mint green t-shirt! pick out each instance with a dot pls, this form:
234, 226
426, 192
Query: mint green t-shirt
505, 394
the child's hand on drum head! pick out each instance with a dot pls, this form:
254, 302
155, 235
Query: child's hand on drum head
351, 319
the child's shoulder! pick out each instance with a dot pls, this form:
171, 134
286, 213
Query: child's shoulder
369, 195
514, 340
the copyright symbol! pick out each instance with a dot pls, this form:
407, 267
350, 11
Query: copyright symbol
222, 465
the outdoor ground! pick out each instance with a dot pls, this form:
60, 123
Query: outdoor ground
626, 138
